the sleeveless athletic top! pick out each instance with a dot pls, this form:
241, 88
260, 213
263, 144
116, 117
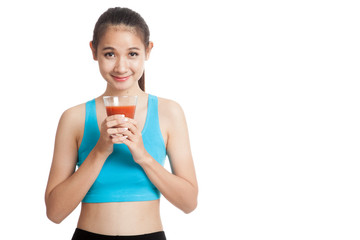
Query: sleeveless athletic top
121, 179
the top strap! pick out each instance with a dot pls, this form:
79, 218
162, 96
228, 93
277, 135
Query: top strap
91, 133
90, 116
152, 118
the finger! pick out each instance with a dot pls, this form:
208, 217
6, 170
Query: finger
127, 142
129, 134
122, 139
116, 135
115, 116
116, 130
119, 139
132, 129
132, 121
117, 121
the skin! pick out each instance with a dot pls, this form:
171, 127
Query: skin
121, 55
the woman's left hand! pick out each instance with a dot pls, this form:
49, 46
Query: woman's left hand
132, 138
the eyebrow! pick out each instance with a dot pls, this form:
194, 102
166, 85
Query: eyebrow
111, 48
108, 48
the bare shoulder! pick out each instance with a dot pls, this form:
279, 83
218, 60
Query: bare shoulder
72, 121
170, 109
172, 119
74, 114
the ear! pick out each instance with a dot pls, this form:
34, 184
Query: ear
93, 51
148, 50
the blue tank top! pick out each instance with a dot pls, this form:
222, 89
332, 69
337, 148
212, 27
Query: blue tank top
121, 179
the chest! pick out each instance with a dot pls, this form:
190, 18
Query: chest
148, 121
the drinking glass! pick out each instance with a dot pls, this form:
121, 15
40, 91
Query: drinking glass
125, 105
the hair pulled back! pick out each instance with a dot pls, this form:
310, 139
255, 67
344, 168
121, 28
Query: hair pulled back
122, 16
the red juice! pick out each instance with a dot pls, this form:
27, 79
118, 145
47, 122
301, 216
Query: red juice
128, 111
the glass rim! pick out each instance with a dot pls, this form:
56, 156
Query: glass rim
123, 96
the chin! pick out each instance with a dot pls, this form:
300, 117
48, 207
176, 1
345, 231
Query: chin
122, 86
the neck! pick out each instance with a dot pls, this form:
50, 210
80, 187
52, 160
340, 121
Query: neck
134, 91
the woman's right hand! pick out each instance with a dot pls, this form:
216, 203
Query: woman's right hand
111, 133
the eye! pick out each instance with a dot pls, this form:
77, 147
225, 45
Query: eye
133, 54
109, 54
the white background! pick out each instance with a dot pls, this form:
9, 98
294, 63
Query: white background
271, 94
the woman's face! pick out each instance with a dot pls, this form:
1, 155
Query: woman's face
121, 55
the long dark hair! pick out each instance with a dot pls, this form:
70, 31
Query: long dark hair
122, 16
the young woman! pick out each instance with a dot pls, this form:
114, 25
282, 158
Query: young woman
120, 160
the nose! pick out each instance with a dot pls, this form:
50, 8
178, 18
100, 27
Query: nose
121, 65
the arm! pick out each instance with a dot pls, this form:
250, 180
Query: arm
179, 187
66, 188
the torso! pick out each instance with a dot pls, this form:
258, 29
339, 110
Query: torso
122, 218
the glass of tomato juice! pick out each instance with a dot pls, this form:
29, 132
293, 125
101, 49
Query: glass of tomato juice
125, 105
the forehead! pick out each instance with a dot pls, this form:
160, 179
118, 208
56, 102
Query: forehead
121, 36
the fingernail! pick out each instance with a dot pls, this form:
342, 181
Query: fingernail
119, 116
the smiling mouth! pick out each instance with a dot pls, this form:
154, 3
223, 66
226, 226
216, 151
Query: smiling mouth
120, 79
